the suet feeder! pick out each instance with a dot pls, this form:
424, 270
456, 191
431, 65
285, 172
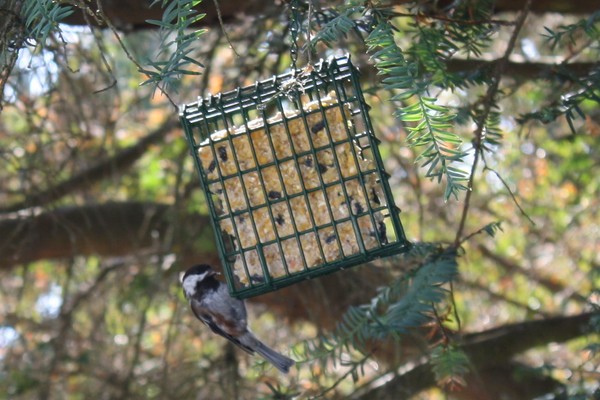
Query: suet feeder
293, 177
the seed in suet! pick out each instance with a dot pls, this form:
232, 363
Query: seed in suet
358, 208
279, 219
382, 232
222, 153
375, 198
311, 156
212, 166
273, 194
318, 126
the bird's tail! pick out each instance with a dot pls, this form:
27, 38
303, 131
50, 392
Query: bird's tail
278, 360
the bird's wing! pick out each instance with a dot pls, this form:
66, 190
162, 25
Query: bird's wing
215, 326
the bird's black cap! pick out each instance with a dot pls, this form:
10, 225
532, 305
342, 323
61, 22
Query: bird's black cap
199, 269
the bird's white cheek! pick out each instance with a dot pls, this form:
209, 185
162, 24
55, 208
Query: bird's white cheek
189, 283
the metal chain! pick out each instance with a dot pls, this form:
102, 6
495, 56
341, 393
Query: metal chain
295, 26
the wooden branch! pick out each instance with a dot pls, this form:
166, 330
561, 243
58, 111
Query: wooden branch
101, 170
502, 343
549, 6
130, 228
512, 380
111, 229
504, 381
523, 70
12, 36
131, 15
514, 70
488, 349
512, 267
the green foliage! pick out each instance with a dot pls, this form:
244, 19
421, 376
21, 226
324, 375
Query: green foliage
585, 89
42, 18
471, 38
406, 303
450, 365
178, 17
568, 33
409, 301
493, 228
335, 23
280, 393
435, 42
571, 104
337, 27
491, 133
21, 381
432, 49
428, 122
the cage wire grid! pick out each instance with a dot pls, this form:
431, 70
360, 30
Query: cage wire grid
293, 178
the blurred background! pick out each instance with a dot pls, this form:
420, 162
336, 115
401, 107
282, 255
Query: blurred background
100, 206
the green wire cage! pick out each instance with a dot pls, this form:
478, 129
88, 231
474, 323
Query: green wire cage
293, 177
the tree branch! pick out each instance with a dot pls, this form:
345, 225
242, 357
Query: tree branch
111, 229
521, 70
120, 229
511, 267
132, 14
103, 169
494, 347
12, 37
488, 103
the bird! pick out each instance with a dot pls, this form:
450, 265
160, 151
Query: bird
225, 315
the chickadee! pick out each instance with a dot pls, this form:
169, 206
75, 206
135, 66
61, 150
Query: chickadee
225, 315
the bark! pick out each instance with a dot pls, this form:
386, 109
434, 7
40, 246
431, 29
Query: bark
132, 14
11, 39
520, 71
544, 6
129, 15
129, 228
508, 381
111, 229
488, 351
523, 70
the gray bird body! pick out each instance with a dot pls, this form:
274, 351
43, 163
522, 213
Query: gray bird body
224, 315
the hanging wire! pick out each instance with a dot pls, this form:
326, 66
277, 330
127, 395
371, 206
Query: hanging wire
308, 32
296, 28
295, 25
294, 85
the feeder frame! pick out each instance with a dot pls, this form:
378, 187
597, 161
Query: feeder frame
244, 106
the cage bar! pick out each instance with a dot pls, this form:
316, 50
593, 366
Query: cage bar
293, 177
